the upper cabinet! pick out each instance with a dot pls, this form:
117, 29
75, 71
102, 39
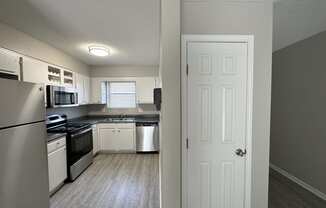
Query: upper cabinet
68, 78
98, 91
60, 76
144, 90
34, 71
83, 89
9, 61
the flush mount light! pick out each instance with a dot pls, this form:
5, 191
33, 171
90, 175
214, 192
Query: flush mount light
99, 51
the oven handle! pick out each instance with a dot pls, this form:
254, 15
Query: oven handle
80, 133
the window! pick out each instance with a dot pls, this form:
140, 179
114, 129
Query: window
121, 94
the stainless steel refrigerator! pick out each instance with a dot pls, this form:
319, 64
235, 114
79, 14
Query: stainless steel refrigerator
23, 154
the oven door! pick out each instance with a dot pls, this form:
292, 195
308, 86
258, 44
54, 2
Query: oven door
61, 96
80, 143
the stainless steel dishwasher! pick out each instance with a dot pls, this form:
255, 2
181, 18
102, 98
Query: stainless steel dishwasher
147, 137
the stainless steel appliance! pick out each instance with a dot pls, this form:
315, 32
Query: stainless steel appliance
147, 137
79, 143
23, 154
61, 96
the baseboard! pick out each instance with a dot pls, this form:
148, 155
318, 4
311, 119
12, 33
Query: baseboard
299, 182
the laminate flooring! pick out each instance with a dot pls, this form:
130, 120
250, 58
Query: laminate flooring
284, 193
113, 181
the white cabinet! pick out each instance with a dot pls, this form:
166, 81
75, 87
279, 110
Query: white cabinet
68, 78
98, 91
87, 86
96, 142
144, 90
35, 71
80, 88
117, 137
83, 89
57, 163
9, 61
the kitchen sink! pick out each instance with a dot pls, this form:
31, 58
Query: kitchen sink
120, 120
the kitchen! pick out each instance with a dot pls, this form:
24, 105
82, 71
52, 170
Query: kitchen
95, 126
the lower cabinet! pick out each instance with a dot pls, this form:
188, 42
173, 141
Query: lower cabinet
96, 143
57, 163
117, 137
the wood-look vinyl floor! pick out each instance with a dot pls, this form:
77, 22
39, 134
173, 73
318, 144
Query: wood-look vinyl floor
284, 193
114, 181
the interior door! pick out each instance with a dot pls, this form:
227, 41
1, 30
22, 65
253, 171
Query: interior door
217, 87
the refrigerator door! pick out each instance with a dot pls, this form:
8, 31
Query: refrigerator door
21, 103
24, 169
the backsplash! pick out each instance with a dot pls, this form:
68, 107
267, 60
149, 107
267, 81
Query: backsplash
141, 109
71, 112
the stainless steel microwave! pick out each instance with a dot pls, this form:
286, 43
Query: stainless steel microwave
61, 96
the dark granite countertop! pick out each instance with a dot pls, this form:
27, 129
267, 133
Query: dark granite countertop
115, 119
53, 136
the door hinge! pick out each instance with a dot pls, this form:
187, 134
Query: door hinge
187, 69
187, 143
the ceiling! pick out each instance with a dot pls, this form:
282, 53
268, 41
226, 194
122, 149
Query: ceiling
295, 20
130, 28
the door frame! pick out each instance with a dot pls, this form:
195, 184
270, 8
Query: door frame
249, 39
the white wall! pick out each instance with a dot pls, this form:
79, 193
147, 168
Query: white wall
171, 100
20, 42
243, 17
125, 71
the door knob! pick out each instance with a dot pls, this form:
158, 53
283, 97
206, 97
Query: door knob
241, 152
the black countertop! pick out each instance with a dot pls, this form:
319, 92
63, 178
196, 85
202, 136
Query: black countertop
115, 119
107, 119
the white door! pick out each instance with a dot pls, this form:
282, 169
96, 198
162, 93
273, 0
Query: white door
217, 118
108, 138
57, 163
80, 88
95, 140
125, 138
87, 86
144, 89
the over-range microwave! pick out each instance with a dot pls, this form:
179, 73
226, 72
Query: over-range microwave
57, 96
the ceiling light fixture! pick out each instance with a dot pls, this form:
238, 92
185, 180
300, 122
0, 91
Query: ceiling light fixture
99, 51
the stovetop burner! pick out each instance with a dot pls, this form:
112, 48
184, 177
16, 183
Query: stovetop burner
68, 128
59, 124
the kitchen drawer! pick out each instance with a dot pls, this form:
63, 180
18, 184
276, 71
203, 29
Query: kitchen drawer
54, 145
124, 125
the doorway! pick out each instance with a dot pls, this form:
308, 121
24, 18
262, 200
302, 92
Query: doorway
217, 74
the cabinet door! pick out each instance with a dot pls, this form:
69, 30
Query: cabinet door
108, 138
98, 93
95, 140
9, 61
35, 71
144, 90
80, 88
57, 163
125, 139
87, 90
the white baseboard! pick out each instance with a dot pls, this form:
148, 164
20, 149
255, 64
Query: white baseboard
299, 182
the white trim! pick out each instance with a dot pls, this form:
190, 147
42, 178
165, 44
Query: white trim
301, 183
249, 39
